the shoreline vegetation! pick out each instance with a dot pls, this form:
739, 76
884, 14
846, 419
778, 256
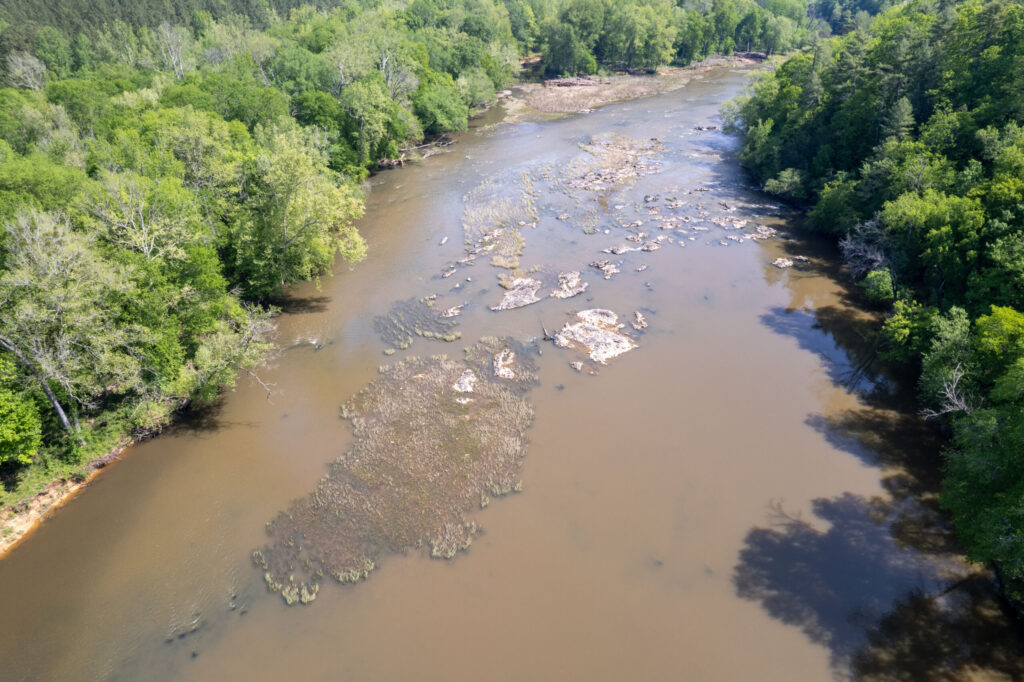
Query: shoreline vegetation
167, 172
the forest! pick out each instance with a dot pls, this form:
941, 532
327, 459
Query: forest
903, 137
167, 170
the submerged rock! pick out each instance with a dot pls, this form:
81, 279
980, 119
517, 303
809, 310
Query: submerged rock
596, 332
521, 291
569, 284
415, 317
420, 464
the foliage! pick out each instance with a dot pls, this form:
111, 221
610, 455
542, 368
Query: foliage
20, 426
877, 286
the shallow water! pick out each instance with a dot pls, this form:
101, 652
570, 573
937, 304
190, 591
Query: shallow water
736, 498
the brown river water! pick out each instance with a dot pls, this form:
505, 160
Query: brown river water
739, 497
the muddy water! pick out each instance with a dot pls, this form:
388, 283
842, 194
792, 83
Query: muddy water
737, 498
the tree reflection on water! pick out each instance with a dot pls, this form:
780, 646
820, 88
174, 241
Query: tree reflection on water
879, 581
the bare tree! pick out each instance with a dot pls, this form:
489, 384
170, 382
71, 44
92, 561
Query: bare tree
25, 71
863, 248
398, 78
953, 398
172, 42
141, 215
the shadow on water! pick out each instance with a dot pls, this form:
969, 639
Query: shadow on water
301, 305
878, 581
942, 637
834, 583
201, 419
884, 611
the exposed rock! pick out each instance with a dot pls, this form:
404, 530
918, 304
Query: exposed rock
569, 284
596, 332
576, 365
506, 359
606, 267
562, 216
503, 363
616, 160
641, 267
454, 311
465, 382
521, 291
782, 263
639, 321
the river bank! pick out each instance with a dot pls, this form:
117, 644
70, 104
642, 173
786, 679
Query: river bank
583, 95
17, 521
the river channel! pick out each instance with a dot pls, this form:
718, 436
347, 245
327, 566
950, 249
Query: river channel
738, 497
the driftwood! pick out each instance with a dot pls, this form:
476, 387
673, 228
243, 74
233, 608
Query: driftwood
391, 163
574, 82
442, 141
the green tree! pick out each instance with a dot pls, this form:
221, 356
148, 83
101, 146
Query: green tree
302, 214
438, 104
60, 320
20, 427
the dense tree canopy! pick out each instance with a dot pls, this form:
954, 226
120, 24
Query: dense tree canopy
905, 138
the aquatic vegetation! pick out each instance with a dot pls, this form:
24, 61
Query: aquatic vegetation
434, 440
614, 161
416, 317
494, 212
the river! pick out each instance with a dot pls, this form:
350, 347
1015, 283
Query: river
739, 497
